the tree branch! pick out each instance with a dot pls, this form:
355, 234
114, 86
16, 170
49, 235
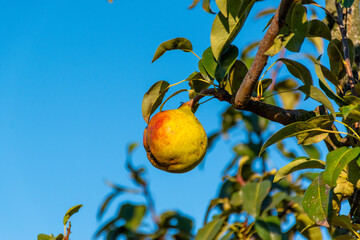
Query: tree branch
243, 95
345, 44
268, 111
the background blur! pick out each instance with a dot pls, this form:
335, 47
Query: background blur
72, 78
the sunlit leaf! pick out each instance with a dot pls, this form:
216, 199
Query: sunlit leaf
336, 161
71, 212
210, 230
176, 43
298, 164
226, 27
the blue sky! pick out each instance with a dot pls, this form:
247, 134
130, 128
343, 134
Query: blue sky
72, 78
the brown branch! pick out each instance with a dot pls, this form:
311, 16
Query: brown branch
268, 111
243, 95
345, 44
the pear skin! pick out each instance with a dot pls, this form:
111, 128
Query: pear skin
175, 140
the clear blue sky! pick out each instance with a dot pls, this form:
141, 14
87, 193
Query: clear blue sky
72, 78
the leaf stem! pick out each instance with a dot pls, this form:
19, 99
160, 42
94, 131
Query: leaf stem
195, 54
350, 128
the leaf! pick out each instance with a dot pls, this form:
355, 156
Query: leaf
105, 204
317, 28
132, 147
132, 214
176, 43
302, 225
236, 76
317, 202
172, 95
253, 194
44, 237
59, 237
298, 70
152, 98
71, 212
312, 151
274, 200
206, 6
227, 26
334, 51
268, 228
226, 61
209, 62
344, 222
319, 96
336, 161
298, 164
290, 130
346, 3
289, 99
297, 21
323, 125
265, 12
210, 230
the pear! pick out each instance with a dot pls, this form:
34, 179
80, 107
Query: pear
175, 140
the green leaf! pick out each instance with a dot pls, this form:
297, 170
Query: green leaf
274, 201
317, 202
210, 230
297, 21
289, 99
346, 3
334, 51
302, 225
172, 95
71, 212
206, 6
236, 76
344, 222
176, 43
336, 161
209, 62
290, 130
317, 95
268, 228
152, 98
323, 125
317, 28
132, 147
298, 164
227, 26
324, 85
298, 70
44, 237
253, 194
226, 61
312, 151
59, 237
132, 214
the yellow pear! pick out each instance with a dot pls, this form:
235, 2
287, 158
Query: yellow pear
175, 140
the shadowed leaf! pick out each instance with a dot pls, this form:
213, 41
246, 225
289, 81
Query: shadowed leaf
152, 98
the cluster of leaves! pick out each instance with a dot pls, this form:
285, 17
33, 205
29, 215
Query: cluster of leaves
67, 232
255, 202
131, 219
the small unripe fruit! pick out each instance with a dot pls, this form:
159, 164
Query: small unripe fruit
175, 140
